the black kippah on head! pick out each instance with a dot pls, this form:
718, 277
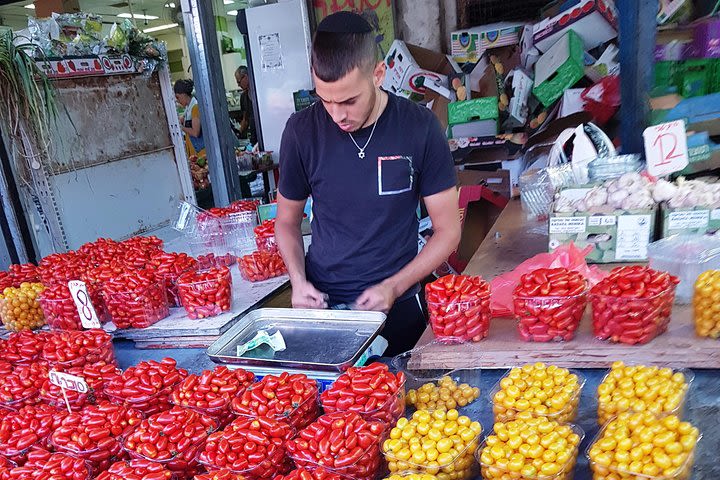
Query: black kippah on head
344, 22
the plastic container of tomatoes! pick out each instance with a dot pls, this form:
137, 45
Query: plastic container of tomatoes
104, 352
606, 412
222, 474
388, 412
266, 243
208, 297
459, 308
549, 318
602, 472
137, 309
147, 404
632, 321
298, 415
461, 467
494, 472
16, 404
366, 466
60, 310
99, 459
437, 388
566, 413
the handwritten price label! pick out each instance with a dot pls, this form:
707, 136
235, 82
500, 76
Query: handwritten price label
68, 382
88, 315
666, 148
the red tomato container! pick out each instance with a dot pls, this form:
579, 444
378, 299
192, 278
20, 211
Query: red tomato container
459, 308
76, 349
99, 459
266, 244
222, 474
60, 310
139, 308
632, 321
261, 265
549, 318
140, 469
205, 293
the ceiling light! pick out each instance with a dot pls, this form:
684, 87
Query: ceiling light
31, 6
139, 16
228, 2
170, 5
160, 27
232, 13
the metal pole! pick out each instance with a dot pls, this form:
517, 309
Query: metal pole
207, 72
637, 48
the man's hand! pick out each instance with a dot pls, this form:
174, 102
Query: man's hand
378, 298
306, 295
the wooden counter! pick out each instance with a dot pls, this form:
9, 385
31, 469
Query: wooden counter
512, 240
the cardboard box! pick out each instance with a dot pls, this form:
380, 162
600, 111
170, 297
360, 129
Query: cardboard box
620, 236
521, 85
45, 8
473, 118
483, 77
559, 68
607, 64
595, 21
498, 180
411, 70
571, 102
706, 38
693, 221
467, 46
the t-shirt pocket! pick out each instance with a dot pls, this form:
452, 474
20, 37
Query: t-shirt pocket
395, 175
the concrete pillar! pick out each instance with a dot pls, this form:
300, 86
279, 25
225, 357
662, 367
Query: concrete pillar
448, 9
419, 23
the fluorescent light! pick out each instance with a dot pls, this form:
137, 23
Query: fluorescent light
232, 13
160, 27
170, 5
139, 16
228, 2
31, 6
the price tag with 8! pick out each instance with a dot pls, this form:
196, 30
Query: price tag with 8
88, 315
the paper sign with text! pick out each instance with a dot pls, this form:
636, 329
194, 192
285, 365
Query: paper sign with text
68, 382
666, 149
88, 315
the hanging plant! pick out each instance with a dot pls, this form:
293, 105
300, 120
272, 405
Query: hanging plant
28, 108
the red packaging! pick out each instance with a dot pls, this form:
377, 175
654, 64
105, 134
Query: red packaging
169, 266
94, 434
360, 440
76, 348
211, 392
172, 438
205, 293
136, 299
22, 386
59, 307
372, 391
96, 375
459, 308
258, 445
146, 386
137, 469
287, 398
549, 304
265, 236
259, 266
633, 304
30, 426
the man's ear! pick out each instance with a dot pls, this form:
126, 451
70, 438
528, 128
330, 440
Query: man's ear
379, 74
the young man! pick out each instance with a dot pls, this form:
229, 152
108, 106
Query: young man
366, 158
247, 123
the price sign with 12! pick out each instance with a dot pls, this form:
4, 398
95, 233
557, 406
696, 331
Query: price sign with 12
666, 148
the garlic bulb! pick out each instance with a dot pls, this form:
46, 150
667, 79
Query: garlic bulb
664, 191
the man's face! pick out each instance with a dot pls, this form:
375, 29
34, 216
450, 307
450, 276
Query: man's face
242, 80
350, 101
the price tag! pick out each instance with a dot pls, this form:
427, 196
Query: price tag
68, 382
88, 315
666, 148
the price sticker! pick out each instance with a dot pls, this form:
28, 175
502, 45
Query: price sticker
88, 315
68, 382
666, 149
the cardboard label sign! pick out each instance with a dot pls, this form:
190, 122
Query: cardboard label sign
666, 149
88, 315
68, 382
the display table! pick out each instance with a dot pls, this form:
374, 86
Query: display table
512, 240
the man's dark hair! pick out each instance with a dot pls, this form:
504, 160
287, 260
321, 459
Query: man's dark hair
343, 41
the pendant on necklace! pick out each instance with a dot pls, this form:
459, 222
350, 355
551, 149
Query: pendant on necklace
361, 154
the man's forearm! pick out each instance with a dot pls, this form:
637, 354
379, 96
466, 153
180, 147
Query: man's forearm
290, 243
436, 251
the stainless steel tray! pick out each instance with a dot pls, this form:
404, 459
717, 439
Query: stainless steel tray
315, 339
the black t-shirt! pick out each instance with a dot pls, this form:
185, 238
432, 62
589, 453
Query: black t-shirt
365, 223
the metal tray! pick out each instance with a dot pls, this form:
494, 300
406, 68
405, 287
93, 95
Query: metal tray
316, 339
